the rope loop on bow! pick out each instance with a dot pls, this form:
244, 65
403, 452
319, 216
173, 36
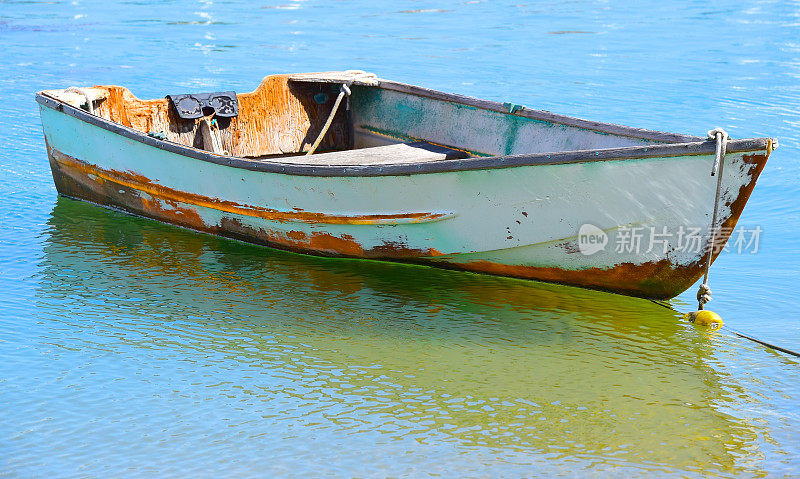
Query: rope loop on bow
721, 137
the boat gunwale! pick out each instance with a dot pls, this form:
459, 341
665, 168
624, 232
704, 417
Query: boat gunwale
696, 145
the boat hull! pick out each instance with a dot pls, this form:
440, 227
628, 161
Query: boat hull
521, 221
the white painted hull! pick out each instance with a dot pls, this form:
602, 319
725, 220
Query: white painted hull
520, 221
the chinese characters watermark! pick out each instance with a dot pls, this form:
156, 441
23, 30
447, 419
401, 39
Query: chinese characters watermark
662, 240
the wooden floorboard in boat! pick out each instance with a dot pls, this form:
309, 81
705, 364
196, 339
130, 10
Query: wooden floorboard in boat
400, 153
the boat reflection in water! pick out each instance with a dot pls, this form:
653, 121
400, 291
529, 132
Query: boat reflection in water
512, 366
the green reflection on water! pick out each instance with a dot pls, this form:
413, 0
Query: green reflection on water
409, 351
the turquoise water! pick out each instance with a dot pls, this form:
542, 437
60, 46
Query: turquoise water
130, 347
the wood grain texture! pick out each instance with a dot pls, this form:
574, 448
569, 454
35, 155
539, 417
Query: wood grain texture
351, 77
281, 116
400, 153
76, 99
277, 117
210, 137
472, 163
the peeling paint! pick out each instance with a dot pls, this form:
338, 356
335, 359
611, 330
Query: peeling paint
656, 280
539, 244
73, 179
145, 185
139, 195
319, 243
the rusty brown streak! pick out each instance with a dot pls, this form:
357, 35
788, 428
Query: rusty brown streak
80, 183
143, 184
657, 280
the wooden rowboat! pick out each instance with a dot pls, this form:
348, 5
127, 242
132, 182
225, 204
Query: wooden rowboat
404, 173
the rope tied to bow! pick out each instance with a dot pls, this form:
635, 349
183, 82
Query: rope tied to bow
721, 137
703, 295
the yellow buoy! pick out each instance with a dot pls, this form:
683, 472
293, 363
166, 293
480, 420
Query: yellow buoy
706, 318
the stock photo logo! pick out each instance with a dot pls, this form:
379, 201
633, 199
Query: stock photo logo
685, 239
591, 239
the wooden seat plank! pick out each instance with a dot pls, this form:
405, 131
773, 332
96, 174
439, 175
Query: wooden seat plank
400, 153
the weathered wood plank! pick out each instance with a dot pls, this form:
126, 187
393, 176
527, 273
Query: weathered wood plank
354, 77
277, 117
76, 98
400, 153
210, 136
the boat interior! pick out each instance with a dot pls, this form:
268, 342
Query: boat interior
354, 118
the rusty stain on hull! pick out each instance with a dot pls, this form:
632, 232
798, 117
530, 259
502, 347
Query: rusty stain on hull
76, 179
281, 117
138, 195
320, 243
756, 163
145, 185
656, 280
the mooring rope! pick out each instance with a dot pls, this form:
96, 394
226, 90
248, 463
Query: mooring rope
721, 137
763, 343
736, 333
345, 90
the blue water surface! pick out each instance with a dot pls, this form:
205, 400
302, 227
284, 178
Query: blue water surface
131, 348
